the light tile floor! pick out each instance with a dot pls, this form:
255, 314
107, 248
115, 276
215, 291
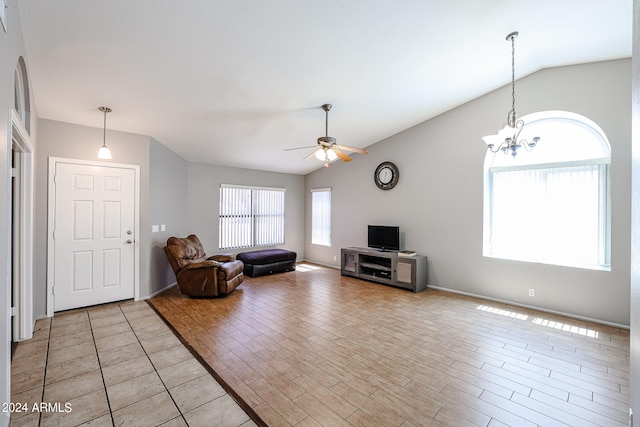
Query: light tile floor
114, 365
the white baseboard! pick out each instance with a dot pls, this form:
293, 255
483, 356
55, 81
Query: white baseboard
169, 286
559, 313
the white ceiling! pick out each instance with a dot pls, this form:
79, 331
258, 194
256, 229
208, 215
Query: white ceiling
235, 82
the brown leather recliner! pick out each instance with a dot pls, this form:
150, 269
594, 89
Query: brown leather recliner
199, 276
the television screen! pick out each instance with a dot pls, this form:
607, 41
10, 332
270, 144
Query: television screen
384, 237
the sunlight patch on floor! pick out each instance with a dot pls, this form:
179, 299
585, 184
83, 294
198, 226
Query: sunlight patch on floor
306, 267
567, 328
541, 322
502, 312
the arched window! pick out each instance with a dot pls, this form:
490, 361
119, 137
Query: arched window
551, 204
21, 94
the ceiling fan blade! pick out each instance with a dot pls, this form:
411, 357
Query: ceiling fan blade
300, 148
353, 149
339, 153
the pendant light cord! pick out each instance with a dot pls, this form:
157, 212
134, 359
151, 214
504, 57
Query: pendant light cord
104, 130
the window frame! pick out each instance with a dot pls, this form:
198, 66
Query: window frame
324, 239
21, 94
254, 215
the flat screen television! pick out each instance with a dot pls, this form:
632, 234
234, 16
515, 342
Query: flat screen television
384, 237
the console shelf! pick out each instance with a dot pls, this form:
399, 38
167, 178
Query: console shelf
374, 266
387, 268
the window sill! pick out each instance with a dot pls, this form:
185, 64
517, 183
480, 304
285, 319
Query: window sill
596, 267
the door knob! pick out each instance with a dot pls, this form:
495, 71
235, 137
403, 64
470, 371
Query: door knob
129, 241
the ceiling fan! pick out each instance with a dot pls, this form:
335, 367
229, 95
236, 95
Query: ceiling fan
327, 150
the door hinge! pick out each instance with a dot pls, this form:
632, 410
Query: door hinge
14, 172
13, 311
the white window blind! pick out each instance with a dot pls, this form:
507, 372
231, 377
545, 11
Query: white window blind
251, 216
321, 216
553, 215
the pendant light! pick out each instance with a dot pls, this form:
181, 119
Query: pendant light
507, 138
104, 152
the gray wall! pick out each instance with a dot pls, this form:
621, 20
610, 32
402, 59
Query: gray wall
181, 195
204, 204
438, 201
634, 379
11, 48
168, 206
58, 139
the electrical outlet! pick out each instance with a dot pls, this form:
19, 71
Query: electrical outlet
335, 258
532, 292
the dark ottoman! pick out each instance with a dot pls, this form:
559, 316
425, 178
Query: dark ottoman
267, 261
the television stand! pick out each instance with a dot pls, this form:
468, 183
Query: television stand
384, 267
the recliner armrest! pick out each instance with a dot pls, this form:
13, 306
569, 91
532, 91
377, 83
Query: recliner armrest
202, 264
222, 258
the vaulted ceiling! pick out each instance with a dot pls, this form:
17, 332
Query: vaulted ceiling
236, 82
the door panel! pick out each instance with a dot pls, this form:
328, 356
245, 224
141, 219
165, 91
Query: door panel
94, 220
403, 270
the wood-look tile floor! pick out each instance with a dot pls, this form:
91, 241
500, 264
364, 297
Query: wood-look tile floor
312, 348
115, 364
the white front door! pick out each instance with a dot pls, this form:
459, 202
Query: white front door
93, 236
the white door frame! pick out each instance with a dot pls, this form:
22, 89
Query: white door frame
22, 233
53, 161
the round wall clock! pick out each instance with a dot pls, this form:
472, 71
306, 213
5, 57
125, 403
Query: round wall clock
386, 175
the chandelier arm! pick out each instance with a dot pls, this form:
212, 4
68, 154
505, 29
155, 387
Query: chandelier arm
519, 125
529, 146
503, 146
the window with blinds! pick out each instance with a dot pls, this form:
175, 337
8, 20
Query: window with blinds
552, 204
321, 216
251, 216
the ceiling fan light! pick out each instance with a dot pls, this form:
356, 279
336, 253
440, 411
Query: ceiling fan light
324, 154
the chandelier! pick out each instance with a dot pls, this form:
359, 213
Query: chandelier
507, 138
